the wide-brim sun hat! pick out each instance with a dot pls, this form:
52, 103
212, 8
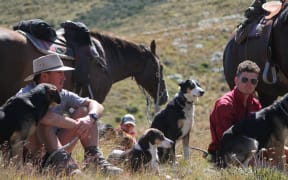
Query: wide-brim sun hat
51, 62
128, 119
273, 7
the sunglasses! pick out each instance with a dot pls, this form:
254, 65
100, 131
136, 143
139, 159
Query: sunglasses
245, 80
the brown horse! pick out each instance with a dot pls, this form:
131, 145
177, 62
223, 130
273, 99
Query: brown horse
123, 58
275, 51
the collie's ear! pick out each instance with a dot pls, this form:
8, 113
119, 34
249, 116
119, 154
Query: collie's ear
183, 83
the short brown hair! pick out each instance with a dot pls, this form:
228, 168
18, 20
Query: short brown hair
247, 66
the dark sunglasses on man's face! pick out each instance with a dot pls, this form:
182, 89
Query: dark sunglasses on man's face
245, 80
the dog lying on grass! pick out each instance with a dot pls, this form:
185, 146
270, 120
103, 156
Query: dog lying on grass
144, 153
267, 128
20, 115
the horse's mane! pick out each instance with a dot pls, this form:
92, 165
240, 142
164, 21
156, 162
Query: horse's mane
283, 17
111, 42
117, 47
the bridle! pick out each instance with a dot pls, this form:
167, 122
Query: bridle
158, 75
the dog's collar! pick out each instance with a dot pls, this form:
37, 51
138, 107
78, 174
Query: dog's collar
180, 100
188, 102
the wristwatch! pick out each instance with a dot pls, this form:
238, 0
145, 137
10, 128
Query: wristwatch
94, 117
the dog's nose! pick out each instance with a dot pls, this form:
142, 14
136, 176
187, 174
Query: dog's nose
202, 93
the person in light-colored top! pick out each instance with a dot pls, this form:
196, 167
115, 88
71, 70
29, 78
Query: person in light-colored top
73, 119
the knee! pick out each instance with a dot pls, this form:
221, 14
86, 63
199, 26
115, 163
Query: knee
79, 112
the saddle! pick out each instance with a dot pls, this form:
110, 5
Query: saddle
258, 34
257, 18
58, 46
72, 42
254, 30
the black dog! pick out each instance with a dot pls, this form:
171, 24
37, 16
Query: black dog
176, 120
144, 153
266, 128
20, 115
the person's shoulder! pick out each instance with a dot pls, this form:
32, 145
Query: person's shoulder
226, 99
224, 103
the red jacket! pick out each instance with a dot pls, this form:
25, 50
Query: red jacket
228, 110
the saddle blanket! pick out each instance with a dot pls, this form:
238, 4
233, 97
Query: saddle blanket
57, 47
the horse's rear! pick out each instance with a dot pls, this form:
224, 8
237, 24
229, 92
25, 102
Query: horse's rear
230, 62
235, 53
254, 49
14, 54
16, 59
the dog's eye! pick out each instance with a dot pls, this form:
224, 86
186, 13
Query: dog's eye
193, 86
157, 141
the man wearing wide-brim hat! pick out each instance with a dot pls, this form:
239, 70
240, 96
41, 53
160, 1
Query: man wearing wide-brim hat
61, 126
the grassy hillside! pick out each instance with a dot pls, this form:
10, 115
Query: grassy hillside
190, 37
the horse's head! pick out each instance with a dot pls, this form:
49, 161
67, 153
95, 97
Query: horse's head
152, 76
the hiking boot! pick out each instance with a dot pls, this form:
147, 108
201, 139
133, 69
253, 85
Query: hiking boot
93, 156
61, 163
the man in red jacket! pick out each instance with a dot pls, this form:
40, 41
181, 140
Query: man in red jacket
234, 105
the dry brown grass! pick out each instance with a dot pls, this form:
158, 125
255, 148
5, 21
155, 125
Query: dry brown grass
188, 34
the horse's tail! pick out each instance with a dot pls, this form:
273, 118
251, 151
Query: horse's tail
227, 60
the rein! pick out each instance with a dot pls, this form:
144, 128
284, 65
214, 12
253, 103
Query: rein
148, 103
148, 99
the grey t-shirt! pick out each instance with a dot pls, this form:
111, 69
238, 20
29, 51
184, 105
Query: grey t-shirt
68, 100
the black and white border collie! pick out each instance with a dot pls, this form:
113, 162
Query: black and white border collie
20, 115
177, 119
267, 129
144, 153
